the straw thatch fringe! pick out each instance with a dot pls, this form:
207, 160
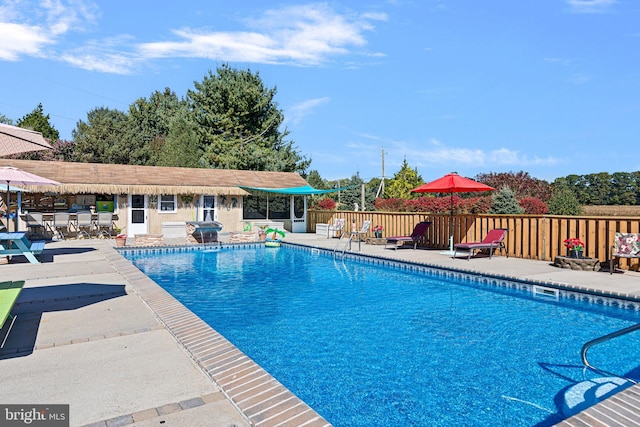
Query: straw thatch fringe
137, 189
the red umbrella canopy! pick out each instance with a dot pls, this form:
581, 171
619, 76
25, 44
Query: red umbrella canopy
452, 183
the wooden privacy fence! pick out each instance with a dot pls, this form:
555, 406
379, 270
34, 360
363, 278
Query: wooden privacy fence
537, 237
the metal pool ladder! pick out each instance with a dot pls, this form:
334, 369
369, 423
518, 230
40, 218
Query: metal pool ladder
588, 345
345, 245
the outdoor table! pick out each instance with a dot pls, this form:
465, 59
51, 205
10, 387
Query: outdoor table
16, 243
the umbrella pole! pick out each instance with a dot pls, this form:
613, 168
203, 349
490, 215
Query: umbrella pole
451, 227
6, 203
450, 251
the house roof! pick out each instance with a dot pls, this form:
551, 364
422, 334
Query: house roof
132, 179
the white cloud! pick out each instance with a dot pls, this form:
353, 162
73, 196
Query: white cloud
435, 153
29, 28
296, 113
590, 6
17, 40
580, 79
301, 35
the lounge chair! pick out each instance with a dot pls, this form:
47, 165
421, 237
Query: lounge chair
493, 240
9, 292
418, 236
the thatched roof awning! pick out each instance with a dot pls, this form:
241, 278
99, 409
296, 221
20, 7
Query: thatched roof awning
137, 189
134, 179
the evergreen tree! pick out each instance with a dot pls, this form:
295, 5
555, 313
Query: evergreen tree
239, 124
37, 121
181, 146
405, 180
564, 202
504, 202
353, 195
100, 139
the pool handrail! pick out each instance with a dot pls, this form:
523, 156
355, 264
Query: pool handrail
589, 344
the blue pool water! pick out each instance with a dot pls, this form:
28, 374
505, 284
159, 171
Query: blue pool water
371, 345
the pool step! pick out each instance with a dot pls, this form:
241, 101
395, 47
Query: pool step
584, 394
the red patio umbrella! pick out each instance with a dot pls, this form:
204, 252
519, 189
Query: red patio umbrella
452, 183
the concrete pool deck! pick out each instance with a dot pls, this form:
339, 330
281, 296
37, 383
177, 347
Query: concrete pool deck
95, 333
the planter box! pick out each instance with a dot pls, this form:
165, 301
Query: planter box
148, 239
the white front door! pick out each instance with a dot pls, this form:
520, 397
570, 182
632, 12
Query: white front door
209, 208
138, 215
299, 214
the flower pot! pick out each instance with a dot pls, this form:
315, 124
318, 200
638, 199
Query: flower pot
575, 254
121, 241
377, 234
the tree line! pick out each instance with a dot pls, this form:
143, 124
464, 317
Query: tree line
230, 120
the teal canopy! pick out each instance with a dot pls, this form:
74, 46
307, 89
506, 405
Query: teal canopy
305, 190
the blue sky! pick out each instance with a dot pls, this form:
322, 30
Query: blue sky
551, 87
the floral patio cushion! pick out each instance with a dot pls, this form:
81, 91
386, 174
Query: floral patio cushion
627, 245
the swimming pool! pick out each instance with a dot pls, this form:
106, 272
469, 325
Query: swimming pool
368, 345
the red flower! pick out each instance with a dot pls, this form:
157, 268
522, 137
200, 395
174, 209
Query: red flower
574, 244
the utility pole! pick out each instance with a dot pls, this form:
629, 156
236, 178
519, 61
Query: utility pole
381, 186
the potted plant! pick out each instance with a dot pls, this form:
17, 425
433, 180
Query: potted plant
121, 237
575, 247
262, 234
377, 231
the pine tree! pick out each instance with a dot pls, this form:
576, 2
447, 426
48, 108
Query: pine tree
504, 202
564, 202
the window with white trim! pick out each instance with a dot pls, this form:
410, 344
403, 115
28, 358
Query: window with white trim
168, 203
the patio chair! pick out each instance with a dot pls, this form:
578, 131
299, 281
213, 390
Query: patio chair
84, 224
625, 245
35, 224
360, 235
104, 224
419, 235
336, 229
493, 240
61, 224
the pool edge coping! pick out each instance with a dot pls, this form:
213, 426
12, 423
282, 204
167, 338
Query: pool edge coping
255, 393
594, 415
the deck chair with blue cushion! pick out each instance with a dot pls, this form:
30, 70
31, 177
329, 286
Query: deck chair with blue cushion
493, 240
9, 292
419, 235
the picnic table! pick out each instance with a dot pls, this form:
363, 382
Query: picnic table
16, 243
